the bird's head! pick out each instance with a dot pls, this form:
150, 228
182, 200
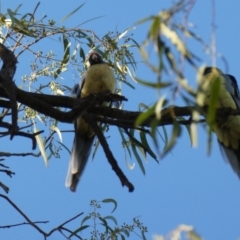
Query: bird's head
95, 58
213, 70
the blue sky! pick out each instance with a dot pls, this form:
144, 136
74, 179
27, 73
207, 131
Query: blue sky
187, 187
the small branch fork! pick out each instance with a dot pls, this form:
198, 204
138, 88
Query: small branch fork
59, 228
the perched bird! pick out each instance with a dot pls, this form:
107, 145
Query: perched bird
99, 77
227, 130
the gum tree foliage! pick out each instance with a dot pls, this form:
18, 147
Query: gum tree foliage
44, 105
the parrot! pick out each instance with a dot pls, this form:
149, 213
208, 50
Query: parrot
227, 131
99, 77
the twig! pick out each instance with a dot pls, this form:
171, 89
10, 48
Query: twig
61, 225
24, 223
33, 224
8, 172
22, 214
6, 154
32, 136
4, 187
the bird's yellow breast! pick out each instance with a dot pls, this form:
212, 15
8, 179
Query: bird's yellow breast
228, 133
99, 78
224, 97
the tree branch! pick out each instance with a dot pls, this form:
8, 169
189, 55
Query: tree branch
59, 228
108, 153
7, 72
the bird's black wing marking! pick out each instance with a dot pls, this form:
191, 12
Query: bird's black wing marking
233, 155
232, 87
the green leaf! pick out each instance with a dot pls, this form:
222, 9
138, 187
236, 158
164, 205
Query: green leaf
138, 158
145, 20
191, 133
157, 85
124, 33
192, 235
145, 115
154, 29
110, 200
193, 128
82, 54
122, 237
160, 103
104, 222
89, 20
18, 7
146, 145
57, 130
127, 83
85, 219
143, 152
176, 131
66, 56
75, 51
71, 13
40, 144
154, 126
64, 146
175, 39
19, 26
78, 230
135, 42
104, 127
165, 137
95, 149
126, 146
124, 141
130, 74
111, 218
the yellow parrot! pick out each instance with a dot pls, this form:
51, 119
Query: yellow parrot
99, 77
228, 132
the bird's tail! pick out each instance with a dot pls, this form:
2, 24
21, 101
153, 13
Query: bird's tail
79, 156
232, 156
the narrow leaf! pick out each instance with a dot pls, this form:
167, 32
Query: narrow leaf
174, 38
154, 85
64, 147
56, 129
144, 141
78, 230
110, 200
175, 134
111, 218
66, 56
144, 116
138, 158
40, 145
71, 13
84, 220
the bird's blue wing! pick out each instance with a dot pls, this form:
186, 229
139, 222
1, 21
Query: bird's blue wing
79, 156
81, 149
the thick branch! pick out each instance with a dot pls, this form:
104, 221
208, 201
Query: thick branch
45, 104
7, 72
